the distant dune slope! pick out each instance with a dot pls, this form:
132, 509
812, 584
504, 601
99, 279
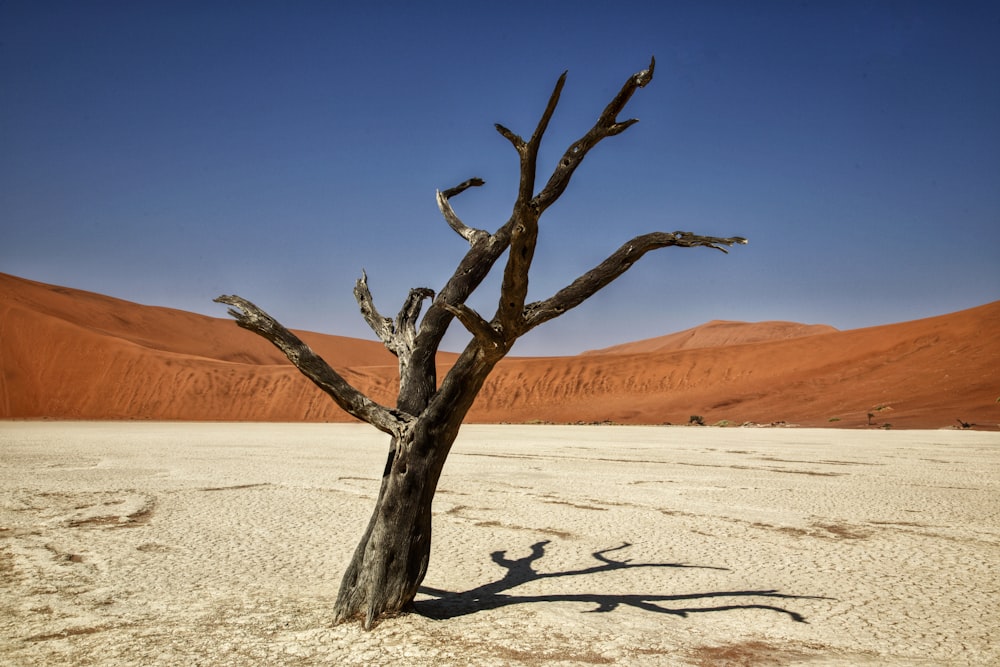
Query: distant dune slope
72, 354
69, 354
927, 373
718, 333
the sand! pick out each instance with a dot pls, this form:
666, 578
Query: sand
70, 354
223, 544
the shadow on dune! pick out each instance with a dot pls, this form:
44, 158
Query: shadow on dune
450, 604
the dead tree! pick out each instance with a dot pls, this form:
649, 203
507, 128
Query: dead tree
391, 559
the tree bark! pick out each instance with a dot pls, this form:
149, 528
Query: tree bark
391, 560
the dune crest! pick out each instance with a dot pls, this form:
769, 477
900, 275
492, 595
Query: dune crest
70, 354
718, 333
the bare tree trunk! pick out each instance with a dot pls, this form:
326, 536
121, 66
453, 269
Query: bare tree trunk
391, 560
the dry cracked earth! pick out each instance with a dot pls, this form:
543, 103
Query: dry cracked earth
223, 544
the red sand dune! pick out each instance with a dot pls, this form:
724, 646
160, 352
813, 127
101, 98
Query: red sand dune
718, 333
69, 354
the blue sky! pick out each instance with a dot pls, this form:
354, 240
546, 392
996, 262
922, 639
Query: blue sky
168, 152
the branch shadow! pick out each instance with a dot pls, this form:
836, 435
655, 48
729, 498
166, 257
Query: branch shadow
493, 595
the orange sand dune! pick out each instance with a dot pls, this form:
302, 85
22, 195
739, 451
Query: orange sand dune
68, 354
923, 374
718, 333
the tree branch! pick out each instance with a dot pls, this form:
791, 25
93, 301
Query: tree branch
310, 364
550, 108
470, 234
476, 325
474, 267
524, 235
529, 207
473, 182
514, 288
515, 139
481, 258
382, 326
614, 266
406, 320
529, 152
398, 338
607, 125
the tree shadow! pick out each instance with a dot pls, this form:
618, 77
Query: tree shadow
493, 595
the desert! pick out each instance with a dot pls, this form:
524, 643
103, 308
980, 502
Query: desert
676, 325
72, 354
173, 543
175, 493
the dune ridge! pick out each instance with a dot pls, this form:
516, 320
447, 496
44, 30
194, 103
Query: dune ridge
71, 354
718, 333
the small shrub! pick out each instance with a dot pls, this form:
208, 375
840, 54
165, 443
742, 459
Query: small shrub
696, 420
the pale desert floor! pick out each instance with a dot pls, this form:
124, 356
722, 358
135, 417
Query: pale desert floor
223, 544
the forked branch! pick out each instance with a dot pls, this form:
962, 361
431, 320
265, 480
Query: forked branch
607, 125
475, 266
524, 235
529, 207
398, 337
406, 320
352, 401
528, 150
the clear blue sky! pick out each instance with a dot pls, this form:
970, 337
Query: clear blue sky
168, 152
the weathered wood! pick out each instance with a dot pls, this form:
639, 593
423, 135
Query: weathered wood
392, 556
607, 125
352, 401
486, 333
470, 234
614, 266
391, 559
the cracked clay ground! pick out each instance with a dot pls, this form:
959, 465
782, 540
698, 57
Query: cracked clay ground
223, 544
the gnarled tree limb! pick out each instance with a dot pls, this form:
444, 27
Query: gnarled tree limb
514, 288
476, 265
615, 265
470, 234
529, 207
398, 337
524, 235
352, 401
382, 326
406, 320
